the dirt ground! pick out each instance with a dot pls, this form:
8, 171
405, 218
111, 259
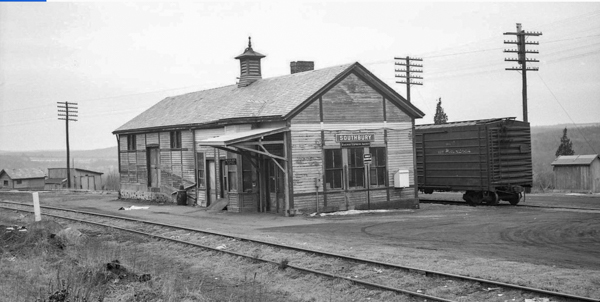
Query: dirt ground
551, 237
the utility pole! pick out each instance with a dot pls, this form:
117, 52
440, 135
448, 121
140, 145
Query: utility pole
408, 71
522, 59
67, 112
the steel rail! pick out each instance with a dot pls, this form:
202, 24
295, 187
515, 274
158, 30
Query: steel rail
351, 258
456, 202
299, 268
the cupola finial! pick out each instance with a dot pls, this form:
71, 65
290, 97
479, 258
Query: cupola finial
249, 65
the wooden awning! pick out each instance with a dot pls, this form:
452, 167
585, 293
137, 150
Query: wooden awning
231, 139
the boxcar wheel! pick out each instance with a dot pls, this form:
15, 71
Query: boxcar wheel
491, 198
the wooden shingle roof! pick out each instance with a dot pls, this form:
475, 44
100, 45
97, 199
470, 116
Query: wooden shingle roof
273, 98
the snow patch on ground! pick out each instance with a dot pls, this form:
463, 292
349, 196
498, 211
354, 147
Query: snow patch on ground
354, 212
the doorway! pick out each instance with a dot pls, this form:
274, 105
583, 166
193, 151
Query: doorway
153, 167
275, 187
211, 182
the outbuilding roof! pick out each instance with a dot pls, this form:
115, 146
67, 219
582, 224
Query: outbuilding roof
56, 181
574, 160
274, 98
24, 173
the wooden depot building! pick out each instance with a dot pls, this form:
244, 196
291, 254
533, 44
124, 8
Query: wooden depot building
316, 140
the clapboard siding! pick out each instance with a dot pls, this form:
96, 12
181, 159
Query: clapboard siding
165, 140
395, 114
400, 157
308, 203
352, 100
310, 114
123, 142
140, 141
152, 138
307, 162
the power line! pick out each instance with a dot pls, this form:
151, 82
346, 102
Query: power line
407, 73
522, 58
567, 113
67, 112
103, 98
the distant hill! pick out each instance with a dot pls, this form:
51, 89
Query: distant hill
546, 139
101, 160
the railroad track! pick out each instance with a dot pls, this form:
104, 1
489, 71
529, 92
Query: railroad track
463, 203
284, 256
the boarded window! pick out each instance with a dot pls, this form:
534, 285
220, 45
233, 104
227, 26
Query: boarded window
378, 166
333, 168
131, 142
175, 139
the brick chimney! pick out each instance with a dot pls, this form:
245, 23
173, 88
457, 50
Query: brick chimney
301, 66
249, 66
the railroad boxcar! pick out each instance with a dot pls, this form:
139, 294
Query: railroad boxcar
489, 160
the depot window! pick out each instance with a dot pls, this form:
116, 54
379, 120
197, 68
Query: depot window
378, 166
356, 168
247, 183
333, 168
175, 139
131, 142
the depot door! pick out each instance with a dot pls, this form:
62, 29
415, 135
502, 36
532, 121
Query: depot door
153, 167
275, 188
211, 183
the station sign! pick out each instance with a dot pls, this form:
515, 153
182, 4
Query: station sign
355, 137
367, 158
231, 161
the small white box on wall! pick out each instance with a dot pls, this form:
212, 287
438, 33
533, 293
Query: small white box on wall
401, 179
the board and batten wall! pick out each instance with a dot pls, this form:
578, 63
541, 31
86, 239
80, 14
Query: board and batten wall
176, 165
350, 107
578, 178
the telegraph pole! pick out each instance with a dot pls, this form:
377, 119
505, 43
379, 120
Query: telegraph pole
408, 71
522, 59
67, 112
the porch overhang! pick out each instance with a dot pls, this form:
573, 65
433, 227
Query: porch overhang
232, 139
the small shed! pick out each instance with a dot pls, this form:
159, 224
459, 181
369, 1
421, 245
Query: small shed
80, 178
577, 173
22, 179
55, 183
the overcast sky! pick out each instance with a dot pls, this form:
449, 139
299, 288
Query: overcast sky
118, 59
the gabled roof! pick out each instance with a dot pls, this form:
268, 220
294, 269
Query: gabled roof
24, 173
271, 98
574, 160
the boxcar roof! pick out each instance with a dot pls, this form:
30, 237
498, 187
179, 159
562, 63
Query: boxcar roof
24, 173
573, 160
464, 123
274, 98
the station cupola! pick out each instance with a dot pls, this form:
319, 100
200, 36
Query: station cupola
249, 66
